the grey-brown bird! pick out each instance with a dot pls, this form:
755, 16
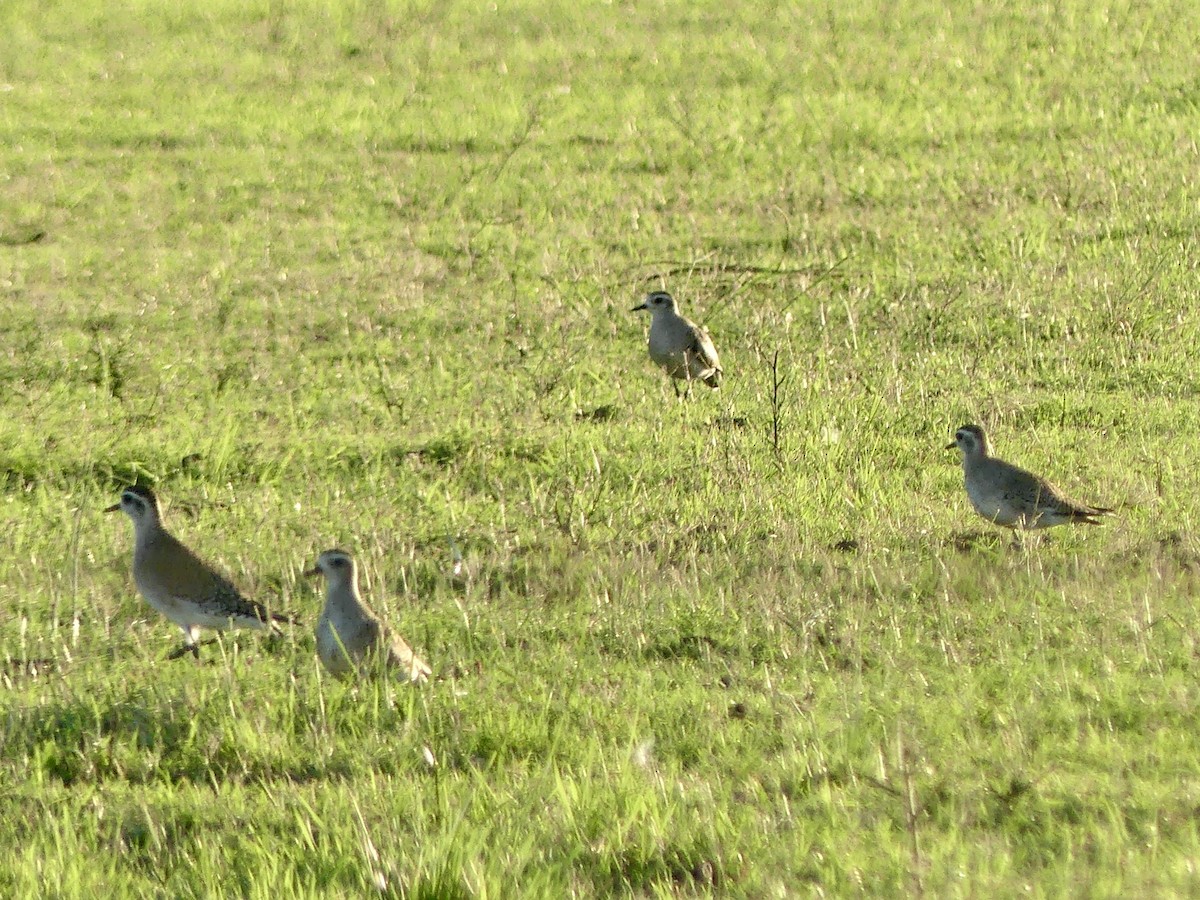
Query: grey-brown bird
679, 345
350, 636
1010, 496
180, 585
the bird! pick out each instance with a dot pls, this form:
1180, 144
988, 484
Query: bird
679, 345
179, 584
350, 636
1010, 496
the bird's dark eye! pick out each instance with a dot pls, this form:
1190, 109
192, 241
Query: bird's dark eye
337, 563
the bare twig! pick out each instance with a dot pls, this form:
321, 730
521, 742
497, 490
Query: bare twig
778, 381
678, 268
911, 811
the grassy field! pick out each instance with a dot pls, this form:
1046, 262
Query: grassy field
359, 274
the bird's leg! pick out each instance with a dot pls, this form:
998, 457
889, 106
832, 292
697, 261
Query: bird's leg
191, 647
183, 650
190, 633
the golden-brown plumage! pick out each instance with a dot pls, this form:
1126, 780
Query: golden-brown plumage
180, 585
350, 636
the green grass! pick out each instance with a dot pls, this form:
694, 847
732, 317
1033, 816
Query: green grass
358, 274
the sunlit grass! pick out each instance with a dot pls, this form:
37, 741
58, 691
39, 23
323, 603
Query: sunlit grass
360, 275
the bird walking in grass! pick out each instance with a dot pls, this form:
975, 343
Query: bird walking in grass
350, 636
179, 584
679, 345
1008, 495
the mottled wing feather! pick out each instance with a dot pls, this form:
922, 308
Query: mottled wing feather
380, 641
704, 352
173, 572
1034, 496
401, 656
237, 605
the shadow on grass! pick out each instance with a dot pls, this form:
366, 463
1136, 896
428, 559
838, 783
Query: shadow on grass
683, 646
642, 869
146, 739
971, 541
1170, 552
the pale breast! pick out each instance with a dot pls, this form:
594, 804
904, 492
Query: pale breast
175, 607
332, 649
668, 352
990, 502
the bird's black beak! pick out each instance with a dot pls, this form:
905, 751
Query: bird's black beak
313, 572
951, 445
639, 308
114, 508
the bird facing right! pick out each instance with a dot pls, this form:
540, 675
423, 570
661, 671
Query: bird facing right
1010, 496
678, 344
350, 636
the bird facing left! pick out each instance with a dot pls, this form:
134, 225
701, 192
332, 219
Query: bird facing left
683, 349
350, 636
179, 584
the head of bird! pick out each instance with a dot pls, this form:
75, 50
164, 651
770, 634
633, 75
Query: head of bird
655, 301
139, 503
336, 565
972, 441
